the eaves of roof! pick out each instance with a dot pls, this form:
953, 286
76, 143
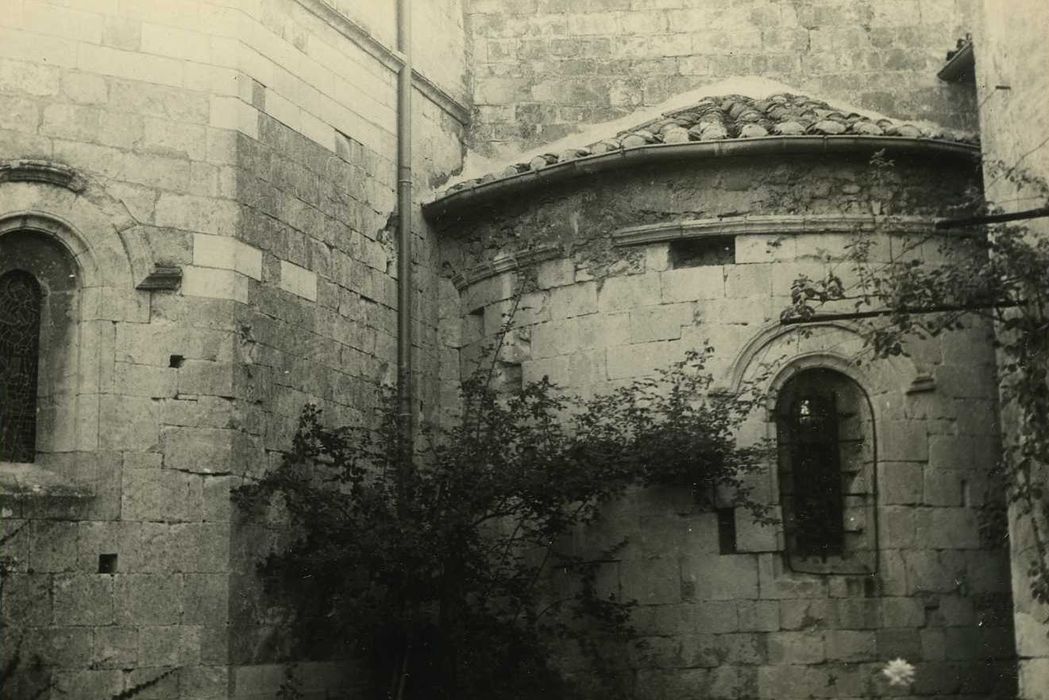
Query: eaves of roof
492, 188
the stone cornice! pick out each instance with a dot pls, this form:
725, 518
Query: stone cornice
770, 225
41, 171
503, 263
678, 229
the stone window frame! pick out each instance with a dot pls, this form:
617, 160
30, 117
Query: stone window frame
43, 247
862, 552
106, 249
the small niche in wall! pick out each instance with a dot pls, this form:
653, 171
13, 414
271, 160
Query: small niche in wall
107, 563
700, 252
473, 325
726, 530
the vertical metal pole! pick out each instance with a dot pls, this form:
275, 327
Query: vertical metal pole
405, 393
405, 383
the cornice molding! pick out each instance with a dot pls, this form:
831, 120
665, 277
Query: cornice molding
42, 171
771, 225
786, 224
503, 263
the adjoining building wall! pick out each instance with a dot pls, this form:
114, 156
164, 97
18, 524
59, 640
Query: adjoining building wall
250, 143
1012, 88
736, 621
546, 68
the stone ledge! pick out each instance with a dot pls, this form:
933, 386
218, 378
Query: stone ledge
787, 224
506, 262
42, 171
24, 480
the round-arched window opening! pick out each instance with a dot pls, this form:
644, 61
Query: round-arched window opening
825, 445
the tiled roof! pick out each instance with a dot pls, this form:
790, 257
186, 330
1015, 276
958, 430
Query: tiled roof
734, 117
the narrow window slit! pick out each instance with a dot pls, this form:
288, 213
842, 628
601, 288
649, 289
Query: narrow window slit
726, 530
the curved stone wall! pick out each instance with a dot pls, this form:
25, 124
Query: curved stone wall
620, 275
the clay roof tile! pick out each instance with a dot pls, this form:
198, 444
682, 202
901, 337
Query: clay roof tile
736, 116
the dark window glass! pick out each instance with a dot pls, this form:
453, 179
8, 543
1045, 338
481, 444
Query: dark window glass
827, 467
20, 298
814, 455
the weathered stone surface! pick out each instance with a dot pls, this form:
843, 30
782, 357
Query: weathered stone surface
83, 599
148, 599
115, 647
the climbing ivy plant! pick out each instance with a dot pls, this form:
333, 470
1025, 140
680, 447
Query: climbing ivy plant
996, 272
436, 564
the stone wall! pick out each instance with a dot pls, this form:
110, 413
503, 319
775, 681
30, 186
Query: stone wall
1011, 86
738, 622
250, 143
546, 68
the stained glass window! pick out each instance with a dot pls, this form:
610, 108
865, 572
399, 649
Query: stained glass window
20, 301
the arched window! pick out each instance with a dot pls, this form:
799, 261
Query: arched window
39, 348
825, 443
20, 306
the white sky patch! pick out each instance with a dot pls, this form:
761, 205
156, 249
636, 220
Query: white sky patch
476, 165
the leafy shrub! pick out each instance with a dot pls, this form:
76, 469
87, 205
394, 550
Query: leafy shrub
433, 562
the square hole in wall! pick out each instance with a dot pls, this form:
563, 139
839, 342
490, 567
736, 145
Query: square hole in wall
707, 250
107, 563
175, 361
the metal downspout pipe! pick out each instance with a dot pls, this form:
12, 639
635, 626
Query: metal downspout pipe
405, 380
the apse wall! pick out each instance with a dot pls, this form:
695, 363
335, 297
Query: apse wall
615, 275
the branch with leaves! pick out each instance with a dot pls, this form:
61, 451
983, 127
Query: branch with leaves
436, 570
997, 274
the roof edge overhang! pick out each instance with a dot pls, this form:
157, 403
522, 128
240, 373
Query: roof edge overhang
486, 193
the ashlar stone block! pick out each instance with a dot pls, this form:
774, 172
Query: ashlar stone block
797, 647
205, 599
115, 647
729, 577
88, 683
948, 528
630, 291
63, 647
83, 599
692, 283
26, 600
53, 546
900, 483
759, 615
169, 645
149, 599
898, 642
662, 322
